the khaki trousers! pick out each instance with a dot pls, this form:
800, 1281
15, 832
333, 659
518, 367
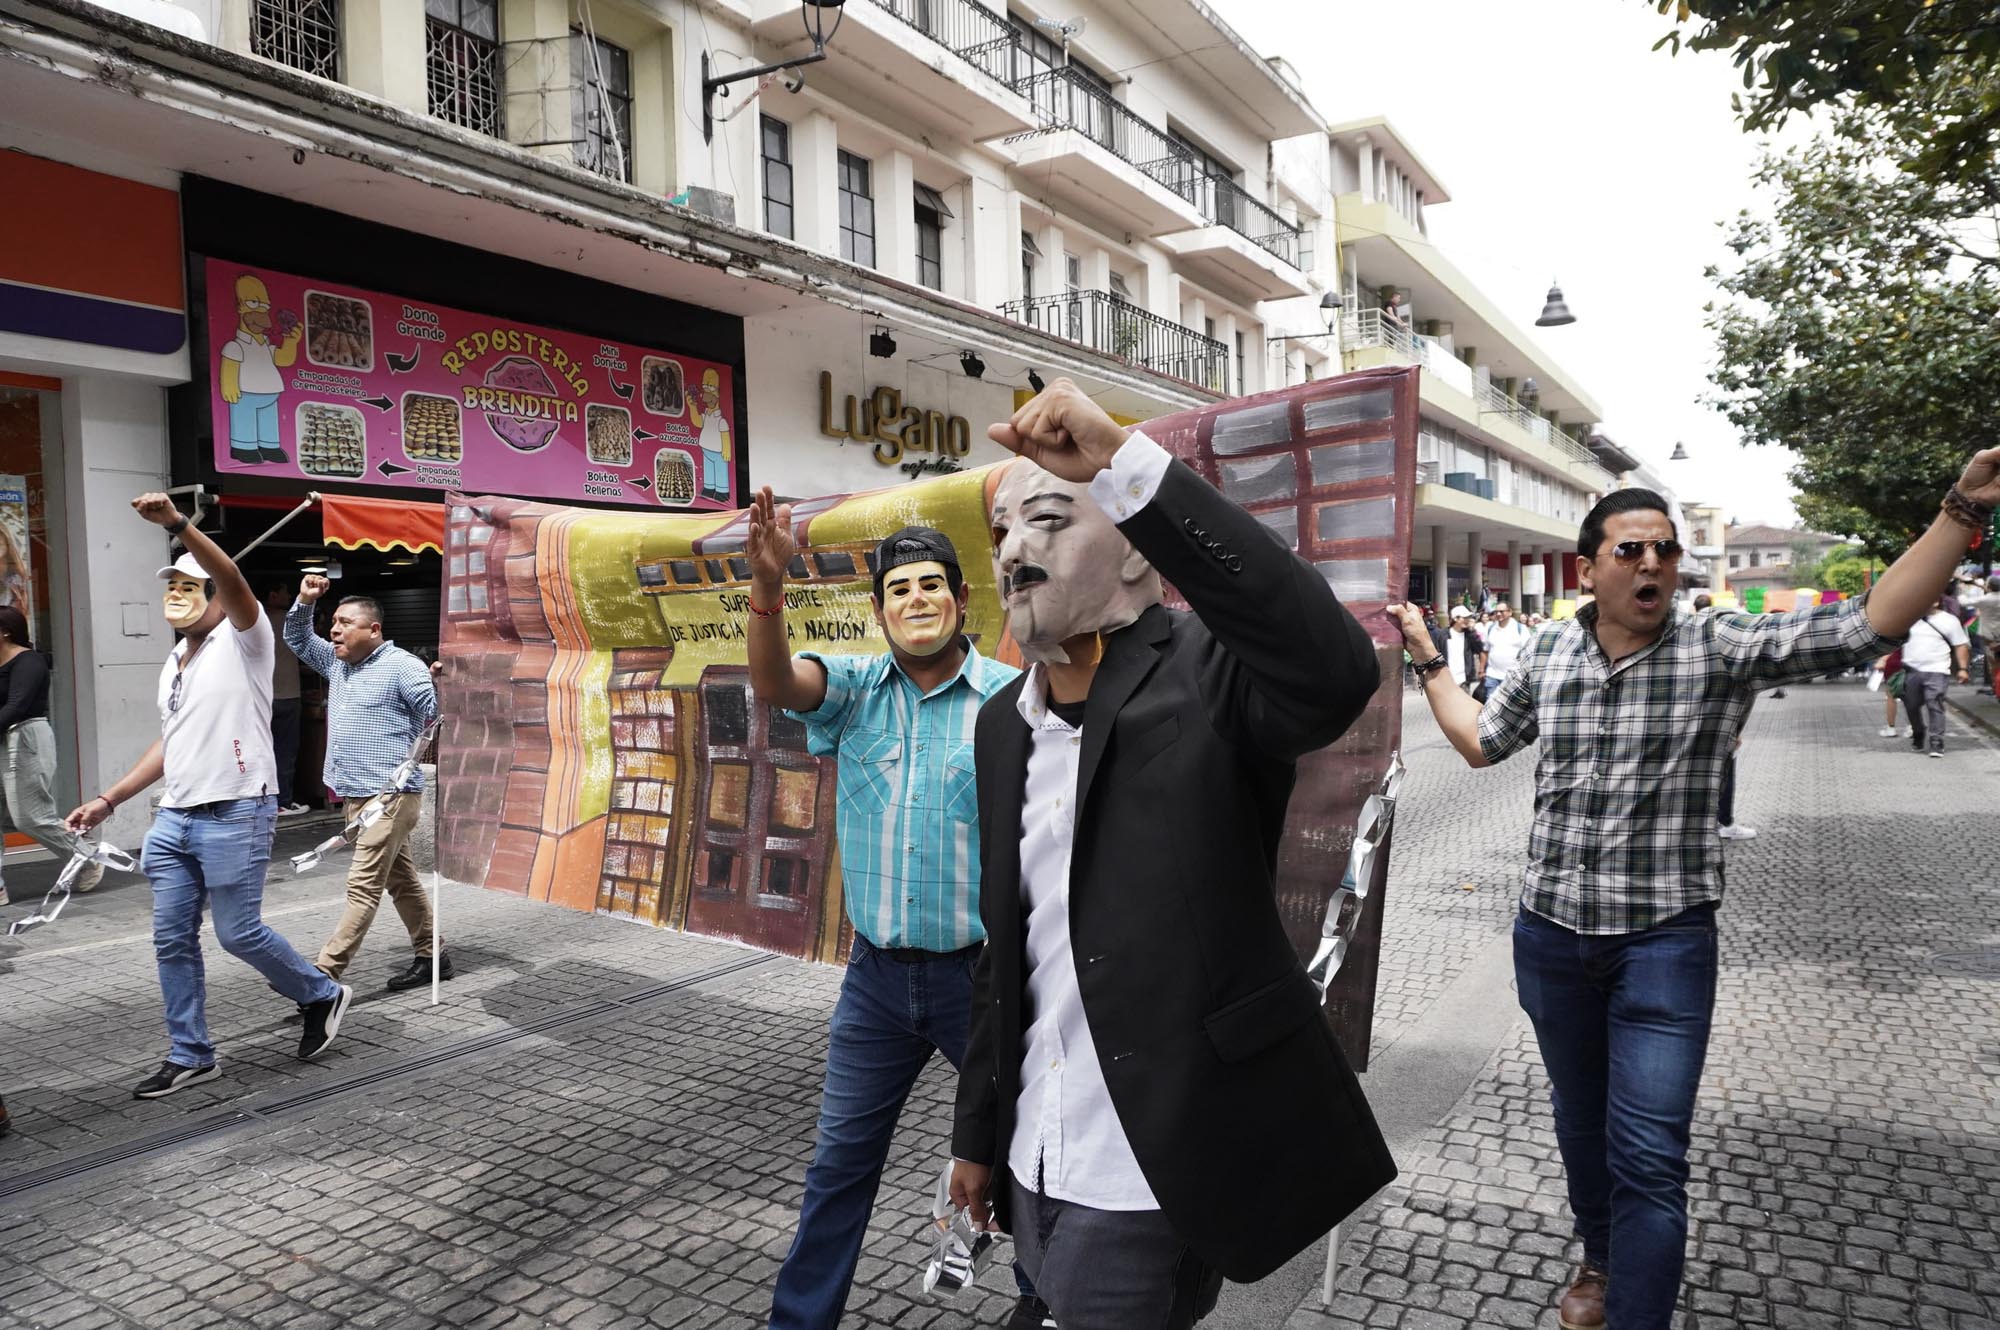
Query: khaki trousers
382, 862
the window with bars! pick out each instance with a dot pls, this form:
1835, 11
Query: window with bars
304, 34
931, 212
857, 210
777, 151
462, 63
601, 105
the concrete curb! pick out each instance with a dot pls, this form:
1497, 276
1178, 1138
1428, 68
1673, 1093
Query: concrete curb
1990, 726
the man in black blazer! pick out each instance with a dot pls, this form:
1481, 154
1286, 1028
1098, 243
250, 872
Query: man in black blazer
1150, 1099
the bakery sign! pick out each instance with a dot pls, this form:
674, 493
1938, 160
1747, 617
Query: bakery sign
316, 380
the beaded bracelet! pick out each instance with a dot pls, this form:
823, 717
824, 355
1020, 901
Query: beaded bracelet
771, 613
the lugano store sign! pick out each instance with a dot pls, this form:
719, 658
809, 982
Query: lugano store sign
914, 440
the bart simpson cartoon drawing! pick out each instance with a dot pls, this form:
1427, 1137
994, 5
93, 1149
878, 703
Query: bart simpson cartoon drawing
250, 379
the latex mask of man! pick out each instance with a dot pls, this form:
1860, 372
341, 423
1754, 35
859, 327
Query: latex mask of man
1065, 572
185, 600
920, 595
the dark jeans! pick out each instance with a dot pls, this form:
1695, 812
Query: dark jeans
1725, 807
1923, 698
891, 1015
1110, 1269
1623, 1022
285, 742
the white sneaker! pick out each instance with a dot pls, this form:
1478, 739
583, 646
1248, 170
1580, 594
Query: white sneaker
293, 810
1736, 831
1888, 732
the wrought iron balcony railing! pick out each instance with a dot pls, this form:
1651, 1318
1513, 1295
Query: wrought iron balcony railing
1103, 322
969, 30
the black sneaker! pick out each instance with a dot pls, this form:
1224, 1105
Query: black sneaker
419, 973
270, 453
322, 1020
173, 1076
1031, 1313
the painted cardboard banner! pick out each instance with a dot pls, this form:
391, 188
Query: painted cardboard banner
601, 748
332, 383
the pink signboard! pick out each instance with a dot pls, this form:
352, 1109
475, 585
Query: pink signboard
331, 383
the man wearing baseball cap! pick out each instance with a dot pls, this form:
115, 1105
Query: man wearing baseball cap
899, 726
211, 839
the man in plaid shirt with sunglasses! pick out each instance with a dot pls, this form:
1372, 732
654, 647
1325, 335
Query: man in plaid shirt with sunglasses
1615, 943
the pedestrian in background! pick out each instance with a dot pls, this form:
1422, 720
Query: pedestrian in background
1891, 667
1938, 651
285, 709
211, 839
1988, 606
27, 786
1468, 650
379, 700
1615, 952
1506, 639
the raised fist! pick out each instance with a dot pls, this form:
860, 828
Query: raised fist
157, 509
312, 587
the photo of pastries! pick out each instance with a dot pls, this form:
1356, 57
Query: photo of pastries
431, 431
609, 433
339, 332
663, 386
332, 440
673, 477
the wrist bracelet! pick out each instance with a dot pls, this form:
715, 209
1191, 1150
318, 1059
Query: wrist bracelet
771, 613
1966, 512
176, 527
109, 802
1434, 663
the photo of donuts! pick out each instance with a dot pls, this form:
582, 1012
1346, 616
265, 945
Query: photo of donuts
663, 386
608, 430
339, 332
673, 477
332, 440
431, 429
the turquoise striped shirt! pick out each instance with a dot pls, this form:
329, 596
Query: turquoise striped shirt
908, 819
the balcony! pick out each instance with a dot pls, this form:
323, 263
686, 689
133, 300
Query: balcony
1103, 322
953, 65
1247, 250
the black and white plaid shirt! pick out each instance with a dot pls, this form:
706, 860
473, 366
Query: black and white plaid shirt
1632, 754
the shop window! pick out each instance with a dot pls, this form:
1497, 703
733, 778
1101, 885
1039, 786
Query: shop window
304, 34
601, 105
931, 212
857, 210
777, 177
462, 63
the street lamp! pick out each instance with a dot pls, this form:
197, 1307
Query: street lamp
1554, 312
814, 14
1680, 452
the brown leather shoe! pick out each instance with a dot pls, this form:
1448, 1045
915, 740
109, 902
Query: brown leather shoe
1582, 1305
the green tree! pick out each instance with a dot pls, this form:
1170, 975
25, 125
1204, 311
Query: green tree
1861, 324
1845, 569
1799, 55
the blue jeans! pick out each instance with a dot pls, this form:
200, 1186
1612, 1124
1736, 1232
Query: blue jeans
216, 853
1623, 1022
890, 1017
253, 421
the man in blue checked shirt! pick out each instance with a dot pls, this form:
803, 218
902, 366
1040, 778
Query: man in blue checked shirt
379, 700
900, 728
1615, 944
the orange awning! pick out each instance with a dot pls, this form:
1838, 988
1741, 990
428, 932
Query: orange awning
351, 522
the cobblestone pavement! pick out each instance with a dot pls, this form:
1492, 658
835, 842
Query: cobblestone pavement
623, 1152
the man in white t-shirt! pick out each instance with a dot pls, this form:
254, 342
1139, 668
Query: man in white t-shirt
1506, 638
1938, 651
212, 835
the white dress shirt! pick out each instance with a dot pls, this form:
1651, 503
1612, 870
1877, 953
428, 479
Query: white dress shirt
1068, 1142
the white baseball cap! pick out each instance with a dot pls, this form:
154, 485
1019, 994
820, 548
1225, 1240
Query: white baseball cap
185, 566
1460, 612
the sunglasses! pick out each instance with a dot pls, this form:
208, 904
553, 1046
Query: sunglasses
1630, 551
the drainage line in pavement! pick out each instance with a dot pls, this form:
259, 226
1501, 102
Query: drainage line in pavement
217, 1123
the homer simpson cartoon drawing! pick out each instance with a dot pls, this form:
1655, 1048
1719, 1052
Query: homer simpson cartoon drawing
706, 411
249, 372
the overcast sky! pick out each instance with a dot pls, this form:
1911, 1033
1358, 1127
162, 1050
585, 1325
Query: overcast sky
1571, 150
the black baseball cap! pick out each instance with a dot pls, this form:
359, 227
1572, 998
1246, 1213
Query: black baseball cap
916, 544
